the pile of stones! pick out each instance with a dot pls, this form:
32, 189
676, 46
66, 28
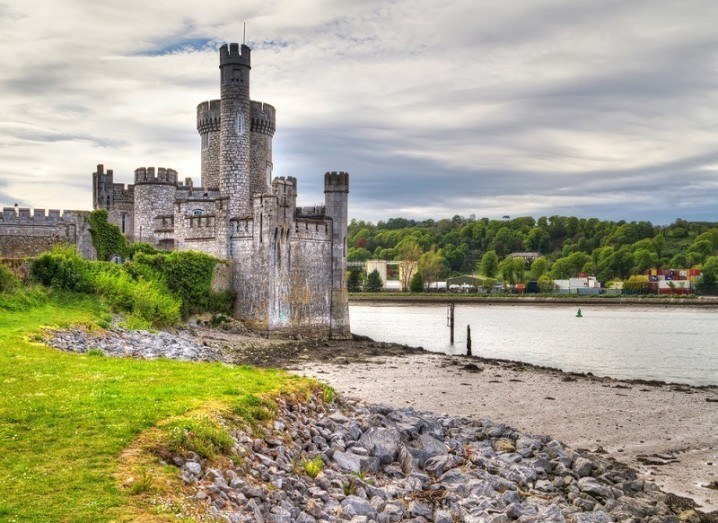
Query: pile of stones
384, 464
180, 345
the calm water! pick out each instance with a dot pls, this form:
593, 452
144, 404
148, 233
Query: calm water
671, 344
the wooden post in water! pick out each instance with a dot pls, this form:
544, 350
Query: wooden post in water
450, 322
468, 340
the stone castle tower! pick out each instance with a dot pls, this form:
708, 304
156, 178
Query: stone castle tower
288, 262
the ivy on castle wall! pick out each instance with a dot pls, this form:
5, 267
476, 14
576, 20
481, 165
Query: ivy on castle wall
107, 238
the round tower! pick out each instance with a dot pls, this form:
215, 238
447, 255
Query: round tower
262, 130
208, 124
155, 194
234, 158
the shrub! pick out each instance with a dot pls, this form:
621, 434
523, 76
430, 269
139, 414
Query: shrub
63, 268
373, 282
8, 281
417, 283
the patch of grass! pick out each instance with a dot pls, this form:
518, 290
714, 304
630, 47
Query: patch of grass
328, 393
201, 434
66, 418
95, 352
141, 485
253, 408
313, 467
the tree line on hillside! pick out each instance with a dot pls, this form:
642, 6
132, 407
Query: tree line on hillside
567, 246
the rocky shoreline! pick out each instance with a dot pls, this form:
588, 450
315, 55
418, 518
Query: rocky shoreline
377, 463
499, 448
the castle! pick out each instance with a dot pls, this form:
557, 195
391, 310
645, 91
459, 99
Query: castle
288, 263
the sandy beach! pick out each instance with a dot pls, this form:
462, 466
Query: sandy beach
669, 433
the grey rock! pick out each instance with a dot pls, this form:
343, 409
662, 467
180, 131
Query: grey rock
356, 506
582, 466
382, 443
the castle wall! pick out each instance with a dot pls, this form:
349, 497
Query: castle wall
27, 233
283, 278
154, 205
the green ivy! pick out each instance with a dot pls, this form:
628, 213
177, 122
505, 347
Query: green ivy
106, 237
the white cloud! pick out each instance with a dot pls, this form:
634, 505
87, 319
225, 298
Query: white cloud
472, 107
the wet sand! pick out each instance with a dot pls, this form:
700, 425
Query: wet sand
669, 433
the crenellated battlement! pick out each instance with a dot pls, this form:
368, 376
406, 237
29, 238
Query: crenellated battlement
336, 181
162, 176
39, 217
263, 118
233, 54
314, 211
209, 116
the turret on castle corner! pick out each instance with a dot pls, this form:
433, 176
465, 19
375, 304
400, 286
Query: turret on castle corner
288, 263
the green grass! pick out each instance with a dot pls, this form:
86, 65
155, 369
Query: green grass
65, 418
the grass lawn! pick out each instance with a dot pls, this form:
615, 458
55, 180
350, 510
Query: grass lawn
65, 418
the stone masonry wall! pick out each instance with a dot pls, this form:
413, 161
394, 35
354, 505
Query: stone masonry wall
26, 233
154, 196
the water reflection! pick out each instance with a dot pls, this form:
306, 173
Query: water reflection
662, 343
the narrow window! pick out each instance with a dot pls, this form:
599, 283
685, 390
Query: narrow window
124, 217
240, 124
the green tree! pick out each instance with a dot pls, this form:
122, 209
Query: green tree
354, 281
644, 260
709, 270
417, 283
489, 264
373, 282
519, 265
507, 270
539, 267
408, 253
432, 266
545, 284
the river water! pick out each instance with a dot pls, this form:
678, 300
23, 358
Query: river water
675, 344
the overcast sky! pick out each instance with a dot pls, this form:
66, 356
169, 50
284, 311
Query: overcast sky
538, 107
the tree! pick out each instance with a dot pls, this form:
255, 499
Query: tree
373, 282
432, 266
507, 270
487, 284
539, 267
644, 259
354, 281
519, 266
417, 283
545, 284
489, 264
408, 253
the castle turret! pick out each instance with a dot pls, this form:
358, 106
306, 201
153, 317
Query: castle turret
336, 194
208, 126
154, 200
263, 124
234, 159
102, 188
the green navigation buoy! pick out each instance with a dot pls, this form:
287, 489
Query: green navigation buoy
578, 314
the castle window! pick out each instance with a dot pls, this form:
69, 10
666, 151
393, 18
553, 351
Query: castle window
123, 218
205, 140
197, 212
240, 124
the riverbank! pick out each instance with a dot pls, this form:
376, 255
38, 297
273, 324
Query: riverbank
666, 432
668, 301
